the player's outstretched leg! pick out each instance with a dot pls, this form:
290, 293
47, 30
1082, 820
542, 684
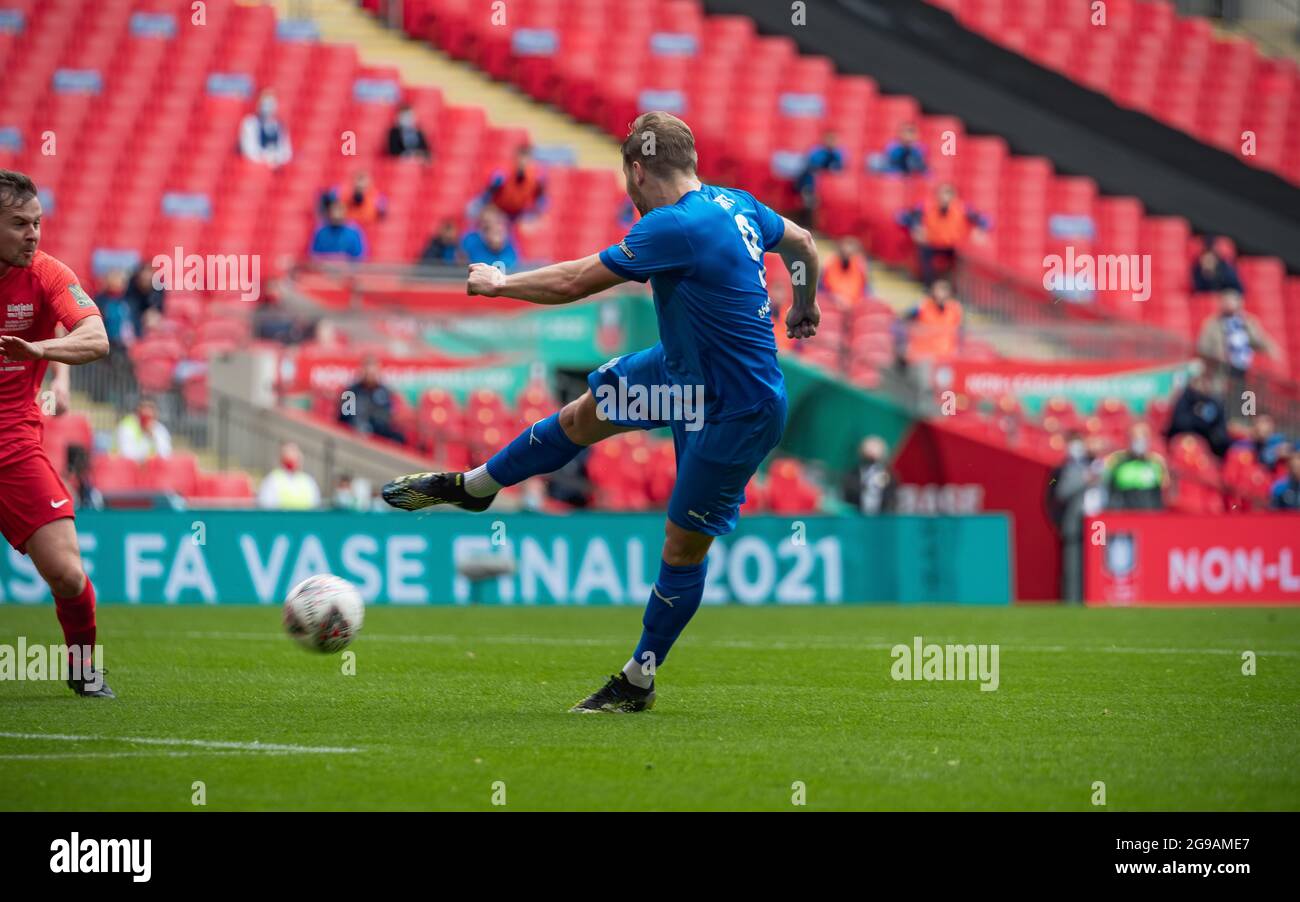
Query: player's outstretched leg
543, 447
53, 549
674, 599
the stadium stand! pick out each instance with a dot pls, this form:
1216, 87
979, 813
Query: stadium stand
749, 133
1147, 57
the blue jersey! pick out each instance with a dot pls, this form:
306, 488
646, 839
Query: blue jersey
704, 258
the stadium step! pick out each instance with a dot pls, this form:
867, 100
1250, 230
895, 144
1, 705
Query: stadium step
420, 64
104, 417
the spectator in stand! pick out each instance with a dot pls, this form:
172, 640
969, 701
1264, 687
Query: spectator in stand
871, 487
845, 278
490, 243
1200, 412
263, 138
1211, 272
1285, 494
518, 191
325, 336
825, 157
1136, 476
337, 238
368, 405
940, 227
1230, 339
115, 306
1267, 442
935, 325
351, 494
362, 202
1282, 458
141, 435
443, 247
1074, 493
143, 296
406, 138
905, 155
69, 455
288, 486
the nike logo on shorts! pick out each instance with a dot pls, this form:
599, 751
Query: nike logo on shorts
58, 504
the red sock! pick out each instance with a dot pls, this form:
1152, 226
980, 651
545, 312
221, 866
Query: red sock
77, 617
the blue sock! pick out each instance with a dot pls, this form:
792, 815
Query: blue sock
541, 448
674, 599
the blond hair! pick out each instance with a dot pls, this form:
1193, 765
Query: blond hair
661, 143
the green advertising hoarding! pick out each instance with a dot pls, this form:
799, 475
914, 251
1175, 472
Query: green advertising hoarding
246, 557
576, 336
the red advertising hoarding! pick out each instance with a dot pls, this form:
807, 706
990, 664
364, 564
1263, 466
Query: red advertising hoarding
1166, 558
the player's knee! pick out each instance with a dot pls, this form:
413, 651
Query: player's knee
577, 418
685, 549
66, 580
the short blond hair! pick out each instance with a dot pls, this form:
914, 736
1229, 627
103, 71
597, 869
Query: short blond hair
661, 143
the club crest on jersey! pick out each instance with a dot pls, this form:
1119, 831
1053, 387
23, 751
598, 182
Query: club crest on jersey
19, 316
627, 251
83, 299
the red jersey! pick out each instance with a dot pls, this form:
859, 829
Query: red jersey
33, 302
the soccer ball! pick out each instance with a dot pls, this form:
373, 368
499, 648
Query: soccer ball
324, 613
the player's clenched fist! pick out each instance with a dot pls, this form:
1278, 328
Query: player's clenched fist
802, 322
14, 348
484, 279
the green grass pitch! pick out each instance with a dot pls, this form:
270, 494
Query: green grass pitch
447, 702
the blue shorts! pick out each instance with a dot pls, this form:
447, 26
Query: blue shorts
715, 461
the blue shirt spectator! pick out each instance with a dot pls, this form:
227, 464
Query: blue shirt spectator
904, 155
1211, 272
1286, 491
442, 247
116, 309
826, 157
490, 243
338, 237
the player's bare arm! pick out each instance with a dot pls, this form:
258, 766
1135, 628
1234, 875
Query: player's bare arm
87, 342
561, 283
797, 247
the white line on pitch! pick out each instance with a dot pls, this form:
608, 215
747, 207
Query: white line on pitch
190, 743
874, 644
153, 753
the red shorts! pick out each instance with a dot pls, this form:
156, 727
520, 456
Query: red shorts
31, 495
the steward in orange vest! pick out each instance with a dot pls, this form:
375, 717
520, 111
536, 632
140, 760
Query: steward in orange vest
936, 325
845, 275
517, 191
939, 227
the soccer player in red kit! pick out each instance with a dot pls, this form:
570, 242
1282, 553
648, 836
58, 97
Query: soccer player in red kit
37, 295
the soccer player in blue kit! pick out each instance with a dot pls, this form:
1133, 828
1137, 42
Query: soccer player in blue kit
702, 249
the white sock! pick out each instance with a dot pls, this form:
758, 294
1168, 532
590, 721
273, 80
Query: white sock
480, 484
636, 676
